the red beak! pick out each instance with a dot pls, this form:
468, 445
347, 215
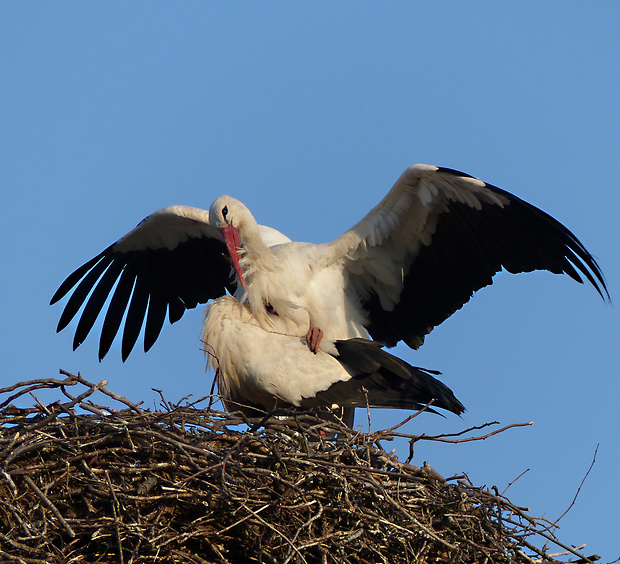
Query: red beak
231, 238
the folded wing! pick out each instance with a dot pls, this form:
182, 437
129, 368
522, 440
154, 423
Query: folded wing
377, 378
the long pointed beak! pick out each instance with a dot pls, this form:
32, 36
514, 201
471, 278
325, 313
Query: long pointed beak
233, 244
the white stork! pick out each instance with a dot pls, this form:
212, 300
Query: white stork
437, 237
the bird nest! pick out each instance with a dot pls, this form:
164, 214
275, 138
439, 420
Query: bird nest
82, 482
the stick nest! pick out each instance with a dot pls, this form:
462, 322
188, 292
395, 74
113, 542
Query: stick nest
82, 482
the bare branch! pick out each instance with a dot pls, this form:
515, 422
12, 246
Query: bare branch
580, 486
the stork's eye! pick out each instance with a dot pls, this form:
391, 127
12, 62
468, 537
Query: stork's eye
224, 211
270, 309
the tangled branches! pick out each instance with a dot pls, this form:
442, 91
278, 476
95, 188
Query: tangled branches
190, 485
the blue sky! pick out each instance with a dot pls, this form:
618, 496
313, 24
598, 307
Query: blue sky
308, 114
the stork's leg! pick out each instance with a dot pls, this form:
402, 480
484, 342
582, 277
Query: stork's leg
348, 416
313, 338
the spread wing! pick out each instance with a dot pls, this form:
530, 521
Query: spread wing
437, 237
172, 261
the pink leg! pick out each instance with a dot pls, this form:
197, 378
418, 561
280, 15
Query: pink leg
313, 337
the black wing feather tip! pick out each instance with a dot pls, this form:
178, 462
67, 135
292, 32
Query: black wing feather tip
95, 303
569, 244
116, 309
76, 276
454, 172
81, 292
136, 312
155, 319
587, 265
176, 309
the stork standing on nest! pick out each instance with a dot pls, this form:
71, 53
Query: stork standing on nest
417, 257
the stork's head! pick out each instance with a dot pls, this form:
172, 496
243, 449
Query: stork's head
232, 218
227, 211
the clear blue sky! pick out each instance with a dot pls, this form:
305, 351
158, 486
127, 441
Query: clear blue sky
308, 113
